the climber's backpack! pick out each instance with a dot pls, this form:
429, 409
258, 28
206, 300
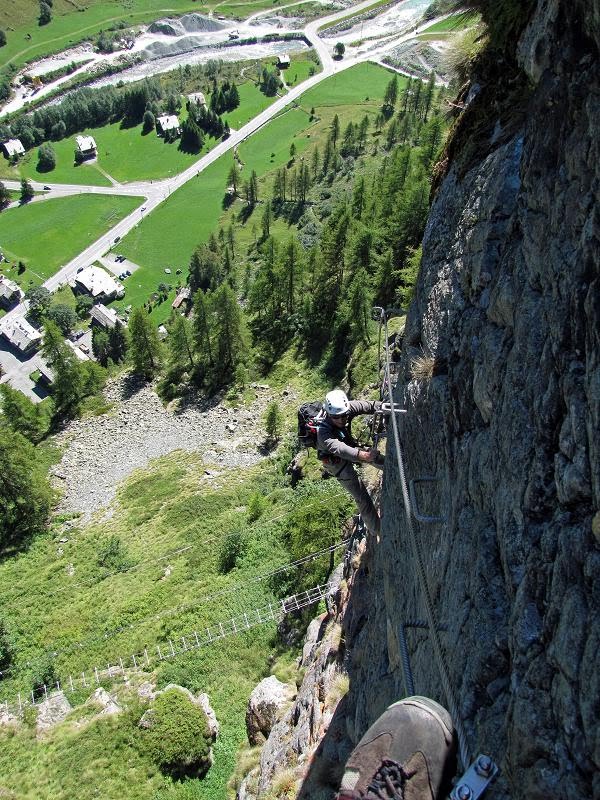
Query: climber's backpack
310, 416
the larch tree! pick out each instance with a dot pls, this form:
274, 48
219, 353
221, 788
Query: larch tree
145, 347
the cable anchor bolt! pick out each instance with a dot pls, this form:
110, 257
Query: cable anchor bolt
476, 779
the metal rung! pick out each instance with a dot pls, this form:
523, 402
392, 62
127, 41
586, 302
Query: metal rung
415, 506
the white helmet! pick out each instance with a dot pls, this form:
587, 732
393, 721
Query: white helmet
336, 403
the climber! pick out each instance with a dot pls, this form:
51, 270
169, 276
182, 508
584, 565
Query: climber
409, 753
338, 450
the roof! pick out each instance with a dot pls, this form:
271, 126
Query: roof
85, 143
107, 317
284, 58
8, 288
78, 353
98, 282
20, 333
13, 147
197, 97
183, 294
168, 122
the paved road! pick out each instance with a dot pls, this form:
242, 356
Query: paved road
153, 193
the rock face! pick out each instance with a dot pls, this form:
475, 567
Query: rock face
508, 304
265, 706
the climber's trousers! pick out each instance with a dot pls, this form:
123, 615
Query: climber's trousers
347, 476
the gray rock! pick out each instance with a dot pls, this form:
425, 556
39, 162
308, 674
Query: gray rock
105, 701
52, 711
265, 706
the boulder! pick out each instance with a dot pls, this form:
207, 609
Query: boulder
107, 702
52, 711
146, 691
266, 705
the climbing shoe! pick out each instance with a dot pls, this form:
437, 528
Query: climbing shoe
409, 753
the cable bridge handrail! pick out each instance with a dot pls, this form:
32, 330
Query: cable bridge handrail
174, 648
90, 641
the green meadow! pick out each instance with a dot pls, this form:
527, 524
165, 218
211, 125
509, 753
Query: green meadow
455, 22
66, 598
45, 235
161, 240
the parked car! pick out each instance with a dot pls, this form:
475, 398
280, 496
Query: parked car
117, 239
48, 188
127, 272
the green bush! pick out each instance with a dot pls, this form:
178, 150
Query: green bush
179, 738
113, 556
232, 548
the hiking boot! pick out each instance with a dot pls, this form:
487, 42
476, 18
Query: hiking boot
409, 753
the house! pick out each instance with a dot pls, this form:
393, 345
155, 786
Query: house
168, 122
103, 316
197, 98
13, 147
283, 61
76, 348
183, 294
46, 374
10, 293
86, 147
98, 283
21, 334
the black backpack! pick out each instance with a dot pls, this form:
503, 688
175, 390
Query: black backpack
310, 415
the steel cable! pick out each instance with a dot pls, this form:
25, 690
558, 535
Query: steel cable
422, 574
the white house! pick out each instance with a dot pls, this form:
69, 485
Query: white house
283, 61
98, 283
103, 316
10, 293
21, 334
13, 147
86, 146
198, 98
168, 122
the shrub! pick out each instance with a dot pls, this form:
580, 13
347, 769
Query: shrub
6, 652
113, 556
256, 506
232, 548
179, 738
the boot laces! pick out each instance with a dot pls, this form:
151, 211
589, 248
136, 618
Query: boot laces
387, 783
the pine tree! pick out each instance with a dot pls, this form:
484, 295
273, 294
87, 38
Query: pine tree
145, 347
25, 495
31, 420
266, 220
181, 344
230, 337
202, 329
68, 386
335, 130
273, 420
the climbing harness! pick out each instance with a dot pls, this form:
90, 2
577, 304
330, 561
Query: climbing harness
477, 777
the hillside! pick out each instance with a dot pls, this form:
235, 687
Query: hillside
500, 445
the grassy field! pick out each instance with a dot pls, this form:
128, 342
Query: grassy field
72, 22
48, 234
165, 507
127, 154
160, 240
456, 22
